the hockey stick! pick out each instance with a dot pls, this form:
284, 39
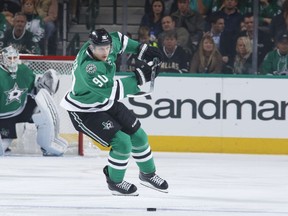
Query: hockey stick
152, 81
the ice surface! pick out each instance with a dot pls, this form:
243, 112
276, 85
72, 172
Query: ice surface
199, 184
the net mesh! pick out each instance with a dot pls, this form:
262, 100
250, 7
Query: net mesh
39, 66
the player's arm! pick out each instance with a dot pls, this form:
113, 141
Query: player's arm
145, 52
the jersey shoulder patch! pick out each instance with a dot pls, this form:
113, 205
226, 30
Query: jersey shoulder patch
91, 68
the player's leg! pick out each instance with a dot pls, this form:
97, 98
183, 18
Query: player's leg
106, 130
117, 165
142, 154
141, 151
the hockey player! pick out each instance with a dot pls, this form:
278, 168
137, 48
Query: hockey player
24, 99
95, 109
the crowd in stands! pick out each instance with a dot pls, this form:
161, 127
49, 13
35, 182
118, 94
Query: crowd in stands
29, 25
216, 36
195, 36
36, 26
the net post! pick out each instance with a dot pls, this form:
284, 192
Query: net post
80, 144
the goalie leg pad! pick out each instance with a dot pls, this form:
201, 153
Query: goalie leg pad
47, 122
1, 147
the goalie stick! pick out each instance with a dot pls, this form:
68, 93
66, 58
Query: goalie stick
152, 82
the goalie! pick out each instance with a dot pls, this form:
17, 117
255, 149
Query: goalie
95, 109
25, 99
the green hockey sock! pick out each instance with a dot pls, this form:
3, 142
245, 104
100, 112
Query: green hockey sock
141, 151
119, 156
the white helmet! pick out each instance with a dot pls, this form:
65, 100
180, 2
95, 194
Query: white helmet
10, 58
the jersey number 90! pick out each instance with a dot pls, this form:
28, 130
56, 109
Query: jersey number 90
100, 80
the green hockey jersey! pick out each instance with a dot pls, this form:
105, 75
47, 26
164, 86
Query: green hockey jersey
94, 87
14, 89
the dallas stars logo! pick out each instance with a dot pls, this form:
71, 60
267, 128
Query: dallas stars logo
107, 125
15, 94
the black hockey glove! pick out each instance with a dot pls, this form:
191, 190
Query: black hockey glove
143, 72
148, 53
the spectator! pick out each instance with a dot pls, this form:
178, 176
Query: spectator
242, 63
265, 43
145, 37
221, 38
232, 19
183, 38
201, 6
267, 10
19, 38
279, 22
35, 23
216, 5
175, 59
153, 18
8, 8
3, 25
276, 61
48, 10
191, 20
245, 6
9, 18
170, 6
12, 6
207, 58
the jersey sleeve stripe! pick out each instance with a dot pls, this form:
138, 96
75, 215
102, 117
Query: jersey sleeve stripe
120, 90
124, 42
72, 105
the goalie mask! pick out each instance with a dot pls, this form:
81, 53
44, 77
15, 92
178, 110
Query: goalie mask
10, 59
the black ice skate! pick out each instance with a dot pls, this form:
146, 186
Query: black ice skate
120, 189
153, 181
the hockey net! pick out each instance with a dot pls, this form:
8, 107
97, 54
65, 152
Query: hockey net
78, 143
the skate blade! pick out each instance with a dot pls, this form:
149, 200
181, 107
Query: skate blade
146, 184
115, 193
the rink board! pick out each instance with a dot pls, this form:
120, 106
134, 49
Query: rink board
216, 114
